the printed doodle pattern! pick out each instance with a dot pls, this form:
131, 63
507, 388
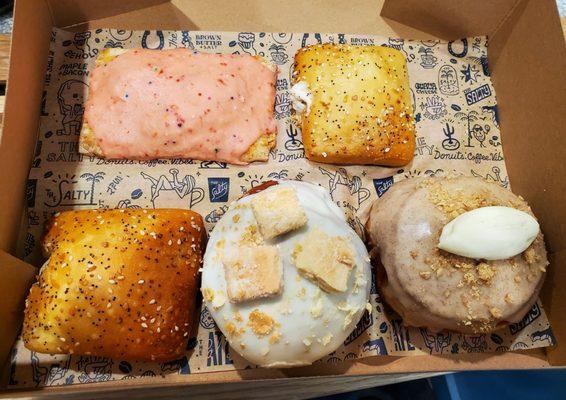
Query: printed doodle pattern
457, 131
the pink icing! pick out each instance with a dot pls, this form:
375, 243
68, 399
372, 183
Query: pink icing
148, 104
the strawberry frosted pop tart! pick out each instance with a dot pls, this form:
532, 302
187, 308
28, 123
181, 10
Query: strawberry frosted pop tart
147, 104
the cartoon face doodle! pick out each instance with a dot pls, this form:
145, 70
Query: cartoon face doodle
71, 97
206, 320
448, 80
80, 40
480, 133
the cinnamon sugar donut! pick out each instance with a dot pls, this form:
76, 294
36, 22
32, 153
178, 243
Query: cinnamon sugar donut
432, 288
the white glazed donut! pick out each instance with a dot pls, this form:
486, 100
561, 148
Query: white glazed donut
308, 323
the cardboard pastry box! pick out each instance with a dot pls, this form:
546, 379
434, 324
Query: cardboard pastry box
527, 59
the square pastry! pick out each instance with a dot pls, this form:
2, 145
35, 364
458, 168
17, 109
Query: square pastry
326, 260
357, 106
278, 211
253, 273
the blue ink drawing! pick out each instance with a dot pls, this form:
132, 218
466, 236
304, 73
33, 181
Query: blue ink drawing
436, 342
70, 97
166, 191
376, 344
382, 185
218, 189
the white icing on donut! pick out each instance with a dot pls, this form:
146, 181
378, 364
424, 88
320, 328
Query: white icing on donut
311, 322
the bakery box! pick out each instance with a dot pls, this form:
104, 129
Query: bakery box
527, 60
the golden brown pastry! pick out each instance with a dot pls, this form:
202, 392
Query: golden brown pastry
354, 104
437, 289
118, 283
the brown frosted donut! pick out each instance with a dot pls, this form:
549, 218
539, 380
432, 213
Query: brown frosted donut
432, 288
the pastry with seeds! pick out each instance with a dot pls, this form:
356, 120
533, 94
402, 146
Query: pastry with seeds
354, 105
285, 277
457, 253
118, 283
146, 104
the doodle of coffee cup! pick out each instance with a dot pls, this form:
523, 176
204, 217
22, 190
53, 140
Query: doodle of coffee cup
357, 189
196, 193
428, 60
279, 58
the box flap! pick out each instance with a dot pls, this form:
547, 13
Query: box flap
459, 19
30, 36
17, 278
73, 12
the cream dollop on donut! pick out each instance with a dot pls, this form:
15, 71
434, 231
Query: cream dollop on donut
303, 323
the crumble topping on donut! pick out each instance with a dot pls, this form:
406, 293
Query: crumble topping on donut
251, 236
485, 272
261, 323
458, 202
278, 211
434, 288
